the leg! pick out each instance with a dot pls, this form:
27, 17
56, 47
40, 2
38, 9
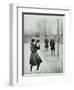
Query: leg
31, 67
38, 66
47, 49
51, 52
54, 52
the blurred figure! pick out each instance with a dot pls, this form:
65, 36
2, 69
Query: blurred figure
46, 41
34, 57
52, 45
37, 55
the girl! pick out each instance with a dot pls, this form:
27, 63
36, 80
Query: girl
35, 59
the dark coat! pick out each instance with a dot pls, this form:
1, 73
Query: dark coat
52, 44
34, 57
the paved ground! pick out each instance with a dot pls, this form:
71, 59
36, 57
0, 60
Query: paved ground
50, 64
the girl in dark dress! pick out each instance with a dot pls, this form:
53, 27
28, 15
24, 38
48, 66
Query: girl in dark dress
34, 57
52, 44
37, 55
46, 41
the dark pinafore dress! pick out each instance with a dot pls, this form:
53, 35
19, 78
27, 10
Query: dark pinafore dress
34, 57
46, 43
52, 44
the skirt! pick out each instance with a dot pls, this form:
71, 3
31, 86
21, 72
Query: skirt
52, 48
46, 46
35, 59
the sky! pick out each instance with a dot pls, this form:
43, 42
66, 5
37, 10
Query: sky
42, 24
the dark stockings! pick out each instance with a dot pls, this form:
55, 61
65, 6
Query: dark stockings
38, 66
31, 67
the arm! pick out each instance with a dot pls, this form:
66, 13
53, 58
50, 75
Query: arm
38, 46
31, 48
